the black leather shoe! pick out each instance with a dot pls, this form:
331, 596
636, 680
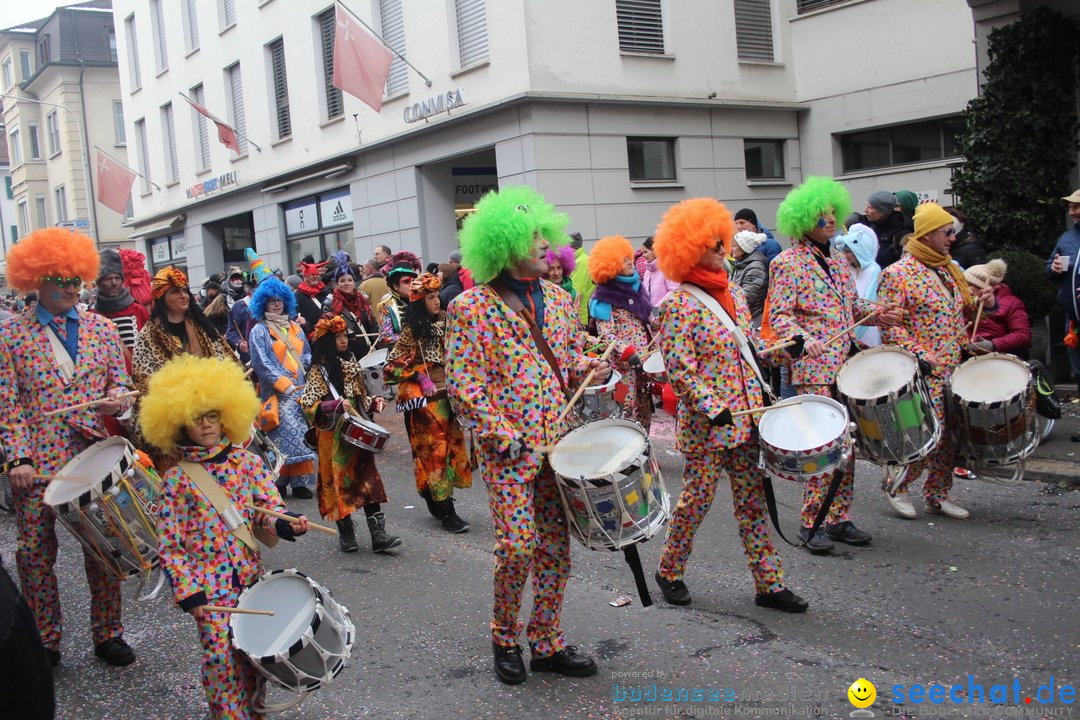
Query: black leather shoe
784, 600
565, 662
846, 532
819, 544
508, 663
302, 493
115, 651
54, 656
283, 489
675, 591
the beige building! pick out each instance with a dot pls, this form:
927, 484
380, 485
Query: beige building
61, 90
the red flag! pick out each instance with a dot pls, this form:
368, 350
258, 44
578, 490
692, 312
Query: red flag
361, 63
225, 133
114, 183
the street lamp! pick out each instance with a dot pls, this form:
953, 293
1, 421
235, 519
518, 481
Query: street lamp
85, 158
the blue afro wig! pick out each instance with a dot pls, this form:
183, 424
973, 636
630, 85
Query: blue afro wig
270, 289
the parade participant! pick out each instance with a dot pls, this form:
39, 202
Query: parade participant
280, 356
560, 266
234, 287
713, 377
931, 290
619, 312
313, 295
203, 409
505, 379
417, 366
859, 246
812, 294
52, 357
352, 306
348, 478
136, 278
115, 302
399, 283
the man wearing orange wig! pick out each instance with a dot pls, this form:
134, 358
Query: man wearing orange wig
52, 357
703, 324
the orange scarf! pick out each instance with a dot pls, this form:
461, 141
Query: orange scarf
716, 284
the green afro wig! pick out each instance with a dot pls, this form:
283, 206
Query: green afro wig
500, 233
804, 205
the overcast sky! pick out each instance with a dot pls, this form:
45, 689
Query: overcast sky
14, 12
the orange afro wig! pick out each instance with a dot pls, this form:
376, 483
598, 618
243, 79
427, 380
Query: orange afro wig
51, 252
686, 231
607, 257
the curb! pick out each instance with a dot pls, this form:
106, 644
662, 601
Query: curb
1058, 472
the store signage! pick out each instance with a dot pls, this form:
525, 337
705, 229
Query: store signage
212, 185
434, 105
336, 208
159, 250
301, 217
179, 246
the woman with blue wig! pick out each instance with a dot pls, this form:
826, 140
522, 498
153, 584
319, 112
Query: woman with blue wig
281, 356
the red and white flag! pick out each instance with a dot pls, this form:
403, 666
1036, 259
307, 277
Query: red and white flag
225, 132
114, 183
361, 63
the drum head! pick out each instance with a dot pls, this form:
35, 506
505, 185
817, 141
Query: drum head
293, 600
591, 447
991, 378
811, 424
90, 467
373, 358
654, 364
876, 372
608, 386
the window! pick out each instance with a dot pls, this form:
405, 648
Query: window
392, 23
280, 85
39, 206
7, 188
237, 117
471, 32
35, 144
191, 26
16, 148
641, 26
52, 126
44, 50
111, 33
753, 30
143, 153
228, 14
314, 225
133, 53
918, 142
202, 132
118, 122
764, 159
24, 218
805, 6
651, 159
60, 200
335, 107
9, 75
161, 52
168, 131
24, 62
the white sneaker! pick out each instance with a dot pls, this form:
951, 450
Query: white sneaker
900, 504
947, 509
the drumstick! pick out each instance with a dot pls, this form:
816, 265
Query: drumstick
64, 478
585, 383
841, 334
91, 403
978, 317
766, 408
238, 611
779, 346
900, 310
283, 516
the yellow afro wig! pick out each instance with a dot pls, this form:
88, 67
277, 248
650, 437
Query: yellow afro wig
607, 257
188, 386
686, 231
51, 252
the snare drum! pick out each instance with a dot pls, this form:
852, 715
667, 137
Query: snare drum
992, 401
891, 407
364, 434
261, 444
372, 365
653, 367
610, 484
304, 645
109, 503
598, 402
804, 442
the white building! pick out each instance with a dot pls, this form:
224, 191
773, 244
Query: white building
632, 106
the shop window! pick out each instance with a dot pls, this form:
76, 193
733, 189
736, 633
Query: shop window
651, 159
918, 142
318, 226
764, 159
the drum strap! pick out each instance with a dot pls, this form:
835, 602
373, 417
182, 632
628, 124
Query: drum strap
215, 494
826, 504
64, 364
514, 303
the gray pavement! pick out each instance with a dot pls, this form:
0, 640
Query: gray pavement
930, 600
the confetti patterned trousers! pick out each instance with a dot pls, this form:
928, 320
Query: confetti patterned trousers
35, 558
814, 491
939, 463
700, 476
229, 679
530, 537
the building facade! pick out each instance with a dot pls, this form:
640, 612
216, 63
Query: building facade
633, 106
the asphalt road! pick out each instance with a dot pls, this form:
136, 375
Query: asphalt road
929, 601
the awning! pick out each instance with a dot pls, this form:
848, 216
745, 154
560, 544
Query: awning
168, 226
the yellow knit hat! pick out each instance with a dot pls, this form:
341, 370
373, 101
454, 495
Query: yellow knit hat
929, 217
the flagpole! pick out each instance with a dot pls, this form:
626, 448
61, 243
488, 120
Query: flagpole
215, 120
385, 44
137, 173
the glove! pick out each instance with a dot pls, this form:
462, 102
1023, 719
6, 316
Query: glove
983, 345
722, 418
795, 351
515, 450
426, 386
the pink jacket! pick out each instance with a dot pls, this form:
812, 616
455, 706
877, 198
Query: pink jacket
657, 285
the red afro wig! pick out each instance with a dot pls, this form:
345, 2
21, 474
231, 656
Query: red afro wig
51, 252
607, 257
686, 231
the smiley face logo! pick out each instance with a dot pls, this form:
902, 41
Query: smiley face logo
862, 693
